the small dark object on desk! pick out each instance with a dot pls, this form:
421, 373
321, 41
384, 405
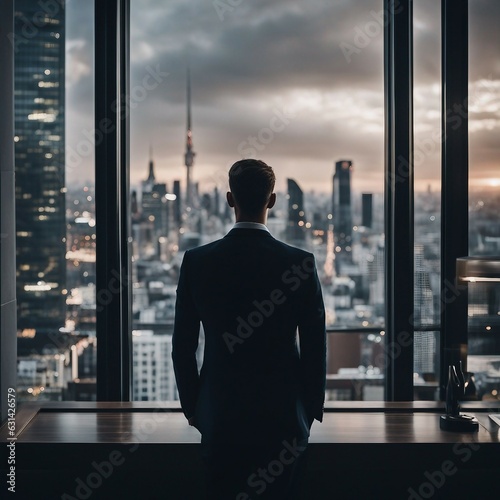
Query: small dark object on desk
453, 420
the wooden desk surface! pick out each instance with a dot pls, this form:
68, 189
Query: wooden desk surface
377, 423
362, 450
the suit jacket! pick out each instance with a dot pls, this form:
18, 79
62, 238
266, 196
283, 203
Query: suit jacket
257, 385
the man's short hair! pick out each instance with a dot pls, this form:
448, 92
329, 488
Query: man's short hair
251, 182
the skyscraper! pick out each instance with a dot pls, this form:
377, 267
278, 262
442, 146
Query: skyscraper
367, 209
40, 166
154, 204
148, 184
177, 203
153, 378
425, 342
295, 230
341, 210
190, 154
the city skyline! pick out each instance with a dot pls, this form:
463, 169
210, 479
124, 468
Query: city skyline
56, 219
248, 71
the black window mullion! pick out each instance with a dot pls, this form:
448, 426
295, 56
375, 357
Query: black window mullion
112, 269
125, 218
455, 182
398, 68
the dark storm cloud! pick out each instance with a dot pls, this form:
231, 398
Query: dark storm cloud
80, 22
324, 59
245, 65
255, 51
484, 35
79, 89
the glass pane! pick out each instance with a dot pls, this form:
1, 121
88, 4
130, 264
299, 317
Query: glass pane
300, 87
54, 200
484, 195
427, 219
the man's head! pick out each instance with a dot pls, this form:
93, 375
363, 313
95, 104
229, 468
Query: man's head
251, 183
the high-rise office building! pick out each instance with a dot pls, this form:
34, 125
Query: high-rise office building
153, 374
148, 184
40, 166
295, 231
153, 370
425, 341
341, 210
154, 204
367, 209
177, 203
216, 207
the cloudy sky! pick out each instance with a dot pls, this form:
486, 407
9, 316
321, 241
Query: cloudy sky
298, 84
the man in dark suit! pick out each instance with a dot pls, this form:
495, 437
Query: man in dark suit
258, 392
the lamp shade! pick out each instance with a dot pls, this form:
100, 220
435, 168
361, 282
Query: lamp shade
478, 269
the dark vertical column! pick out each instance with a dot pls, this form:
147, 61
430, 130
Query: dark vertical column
125, 209
8, 338
398, 67
112, 200
455, 181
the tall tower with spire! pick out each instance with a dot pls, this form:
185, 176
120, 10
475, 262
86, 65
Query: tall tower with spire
151, 176
189, 154
154, 204
148, 184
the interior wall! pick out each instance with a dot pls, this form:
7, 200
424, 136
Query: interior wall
8, 346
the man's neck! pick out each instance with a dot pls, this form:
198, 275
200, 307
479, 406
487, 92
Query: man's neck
260, 219
252, 219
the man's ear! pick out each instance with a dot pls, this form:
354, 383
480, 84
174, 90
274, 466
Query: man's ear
272, 200
230, 199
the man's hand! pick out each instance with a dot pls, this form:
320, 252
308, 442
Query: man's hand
310, 421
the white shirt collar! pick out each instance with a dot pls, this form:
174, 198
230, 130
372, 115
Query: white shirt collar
250, 225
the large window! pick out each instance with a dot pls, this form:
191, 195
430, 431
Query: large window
300, 87
484, 196
55, 215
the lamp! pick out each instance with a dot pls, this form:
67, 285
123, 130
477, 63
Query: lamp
478, 269
484, 269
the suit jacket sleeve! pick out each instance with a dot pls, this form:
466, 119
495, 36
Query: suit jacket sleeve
185, 342
312, 337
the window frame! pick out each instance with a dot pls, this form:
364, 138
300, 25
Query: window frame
114, 357
113, 269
